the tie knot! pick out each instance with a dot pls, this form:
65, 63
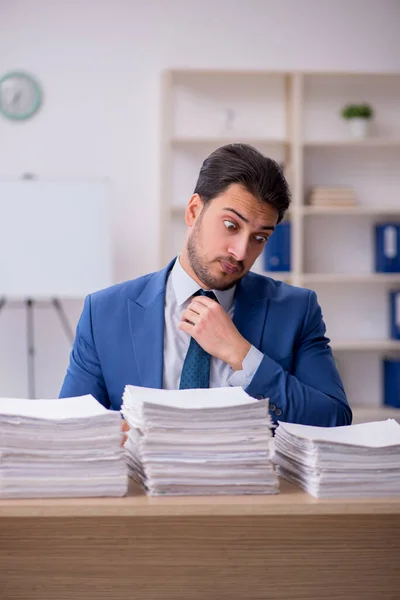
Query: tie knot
207, 293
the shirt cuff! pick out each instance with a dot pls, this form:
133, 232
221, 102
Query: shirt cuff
250, 365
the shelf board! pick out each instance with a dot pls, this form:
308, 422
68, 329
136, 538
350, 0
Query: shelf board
350, 278
176, 209
349, 210
237, 72
367, 414
353, 143
279, 275
365, 345
222, 141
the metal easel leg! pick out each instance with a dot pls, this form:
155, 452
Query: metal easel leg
30, 336
63, 318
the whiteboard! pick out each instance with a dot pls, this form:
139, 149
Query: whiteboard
54, 238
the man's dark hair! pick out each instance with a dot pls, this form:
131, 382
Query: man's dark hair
243, 164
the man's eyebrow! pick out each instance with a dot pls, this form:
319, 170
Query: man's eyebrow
269, 227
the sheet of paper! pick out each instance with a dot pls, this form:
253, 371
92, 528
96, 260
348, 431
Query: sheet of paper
373, 435
192, 398
63, 408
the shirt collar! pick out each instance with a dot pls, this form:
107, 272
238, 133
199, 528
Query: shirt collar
185, 286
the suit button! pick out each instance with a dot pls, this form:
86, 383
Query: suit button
272, 407
278, 412
259, 397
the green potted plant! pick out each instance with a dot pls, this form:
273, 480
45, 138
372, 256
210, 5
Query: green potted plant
358, 117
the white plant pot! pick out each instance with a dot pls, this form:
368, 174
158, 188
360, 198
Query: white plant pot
359, 127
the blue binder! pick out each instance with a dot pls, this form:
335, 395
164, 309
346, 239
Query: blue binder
277, 251
391, 376
395, 315
387, 248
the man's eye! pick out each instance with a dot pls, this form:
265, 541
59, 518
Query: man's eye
261, 239
229, 225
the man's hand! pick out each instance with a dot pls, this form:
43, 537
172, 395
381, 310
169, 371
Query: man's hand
207, 322
124, 428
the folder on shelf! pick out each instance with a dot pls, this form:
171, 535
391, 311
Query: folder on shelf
277, 252
395, 314
391, 379
387, 248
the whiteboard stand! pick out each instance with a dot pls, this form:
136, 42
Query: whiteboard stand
30, 336
55, 243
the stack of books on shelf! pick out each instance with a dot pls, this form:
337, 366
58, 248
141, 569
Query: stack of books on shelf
340, 462
60, 448
199, 441
332, 196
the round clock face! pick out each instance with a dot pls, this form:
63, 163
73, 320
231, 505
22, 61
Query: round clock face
20, 95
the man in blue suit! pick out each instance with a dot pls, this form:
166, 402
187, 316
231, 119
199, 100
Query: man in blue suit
205, 320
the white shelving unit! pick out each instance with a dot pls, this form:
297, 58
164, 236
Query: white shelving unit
348, 211
294, 117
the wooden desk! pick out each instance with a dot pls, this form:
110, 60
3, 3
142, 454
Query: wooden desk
283, 547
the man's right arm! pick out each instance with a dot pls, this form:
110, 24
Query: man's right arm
84, 374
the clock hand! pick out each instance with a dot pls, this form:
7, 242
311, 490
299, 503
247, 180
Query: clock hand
16, 98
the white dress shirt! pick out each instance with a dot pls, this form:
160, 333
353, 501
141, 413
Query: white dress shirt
178, 295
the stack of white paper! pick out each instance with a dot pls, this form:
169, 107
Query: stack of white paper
339, 462
332, 196
59, 448
187, 442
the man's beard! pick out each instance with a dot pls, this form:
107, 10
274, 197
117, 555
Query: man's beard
199, 265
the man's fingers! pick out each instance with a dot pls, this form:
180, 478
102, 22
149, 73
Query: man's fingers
197, 307
187, 327
190, 316
205, 301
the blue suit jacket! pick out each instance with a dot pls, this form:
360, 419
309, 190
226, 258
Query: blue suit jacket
119, 341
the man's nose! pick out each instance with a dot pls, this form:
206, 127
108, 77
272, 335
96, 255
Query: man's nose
238, 248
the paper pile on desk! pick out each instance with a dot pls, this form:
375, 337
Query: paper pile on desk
199, 441
60, 448
341, 462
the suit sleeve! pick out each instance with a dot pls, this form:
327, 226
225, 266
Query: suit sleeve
312, 393
84, 374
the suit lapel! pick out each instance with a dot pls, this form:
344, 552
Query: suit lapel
251, 308
146, 321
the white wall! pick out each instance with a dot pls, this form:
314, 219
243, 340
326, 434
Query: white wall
100, 63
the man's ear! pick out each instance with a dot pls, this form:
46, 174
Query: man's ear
193, 210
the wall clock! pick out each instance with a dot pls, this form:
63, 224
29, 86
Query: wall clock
20, 95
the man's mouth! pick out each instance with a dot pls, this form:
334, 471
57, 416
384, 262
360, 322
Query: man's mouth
229, 268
